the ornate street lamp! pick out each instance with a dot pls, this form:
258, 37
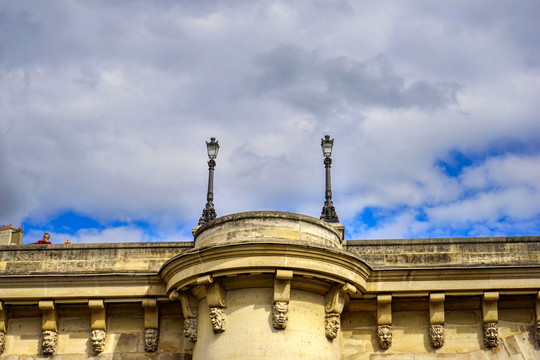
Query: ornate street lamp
209, 213
328, 213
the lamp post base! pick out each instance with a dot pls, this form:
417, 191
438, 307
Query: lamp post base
328, 213
208, 214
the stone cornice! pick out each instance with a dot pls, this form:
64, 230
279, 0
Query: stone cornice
330, 265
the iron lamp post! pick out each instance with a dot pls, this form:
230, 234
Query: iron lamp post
209, 213
328, 213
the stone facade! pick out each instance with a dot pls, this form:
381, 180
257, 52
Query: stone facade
272, 285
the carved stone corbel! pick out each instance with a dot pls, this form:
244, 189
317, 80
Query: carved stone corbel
216, 297
538, 317
98, 324
3, 327
491, 318
436, 319
190, 308
282, 296
384, 321
335, 301
151, 324
48, 326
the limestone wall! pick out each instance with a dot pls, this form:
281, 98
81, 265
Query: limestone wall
124, 339
463, 333
241, 265
249, 332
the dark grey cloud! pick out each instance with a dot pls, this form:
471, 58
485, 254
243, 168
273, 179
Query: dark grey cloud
316, 82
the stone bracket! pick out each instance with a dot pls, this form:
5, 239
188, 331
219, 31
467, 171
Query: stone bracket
174, 295
282, 285
384, 309
436, 308
151, 313
48, 315
338, 296
3, 318
216, 296
190, 305
489, 306
98, 318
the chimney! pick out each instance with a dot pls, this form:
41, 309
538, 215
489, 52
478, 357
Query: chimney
10, 235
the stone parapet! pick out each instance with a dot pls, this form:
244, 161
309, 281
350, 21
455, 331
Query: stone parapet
481, 252
268, 226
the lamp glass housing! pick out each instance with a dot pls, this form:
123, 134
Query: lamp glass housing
212, 147
327, 145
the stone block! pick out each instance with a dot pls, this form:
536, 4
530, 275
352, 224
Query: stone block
126, 343
437, 356
463, 317
171, 323
410, 319
391, 357
508, 317
124, 324
73, 324
173, 342
176, 356
73, 343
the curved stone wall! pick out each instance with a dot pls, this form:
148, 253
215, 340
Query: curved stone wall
249, 332
261, 226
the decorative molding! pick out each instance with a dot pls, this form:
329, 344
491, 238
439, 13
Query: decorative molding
216, 298
384, 321
48, 315
538, 317
151, 324
3, 327
436, 335
49, 342
151, 313
332, 323
318, 262
538, 332
338, 296
174, 295
98, 324
98, 317
436, 319
190, 308
282, 296
490, 315
3, 318
190, 305
491, 334
217, 318
98, 340
280, 315
151, 340
2, 342
384, 309
48, 326
335, 301
191, 326
384, 336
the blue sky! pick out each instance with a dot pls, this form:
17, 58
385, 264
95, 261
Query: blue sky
105, 108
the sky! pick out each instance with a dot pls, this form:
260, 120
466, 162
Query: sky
105, 107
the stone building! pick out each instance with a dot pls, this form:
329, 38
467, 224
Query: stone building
272, 285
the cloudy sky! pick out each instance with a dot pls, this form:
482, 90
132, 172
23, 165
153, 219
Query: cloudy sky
105, 108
